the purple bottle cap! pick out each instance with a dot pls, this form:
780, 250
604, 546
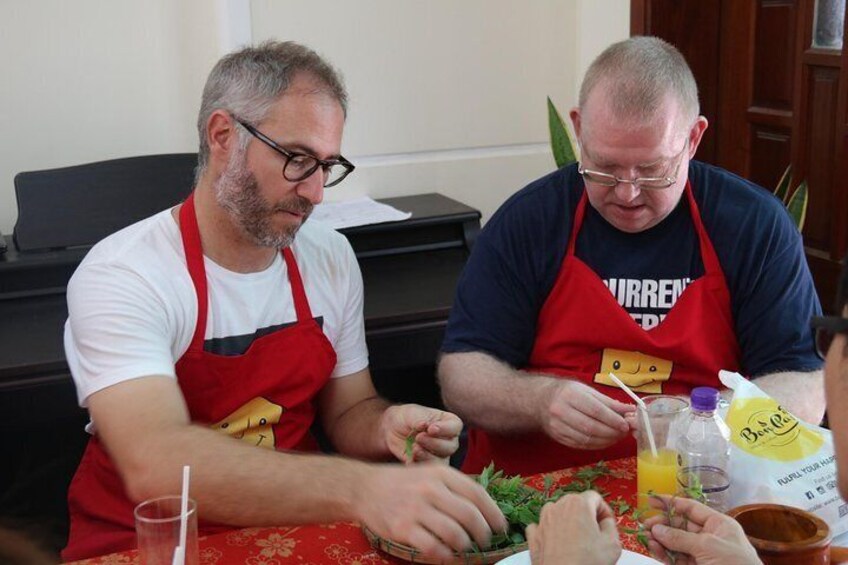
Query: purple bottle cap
704, 398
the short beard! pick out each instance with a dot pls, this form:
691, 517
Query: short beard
237, 191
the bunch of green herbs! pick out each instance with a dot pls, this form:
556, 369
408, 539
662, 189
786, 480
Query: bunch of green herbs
522, 504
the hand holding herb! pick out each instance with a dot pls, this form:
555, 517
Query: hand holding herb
433, 508
583, 418
418, 433
696, 533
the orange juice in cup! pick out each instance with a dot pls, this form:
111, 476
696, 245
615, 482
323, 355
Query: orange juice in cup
657, 473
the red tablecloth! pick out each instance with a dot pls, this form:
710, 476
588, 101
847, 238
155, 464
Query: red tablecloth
345, 544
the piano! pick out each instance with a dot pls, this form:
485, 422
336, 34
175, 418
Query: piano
409, 268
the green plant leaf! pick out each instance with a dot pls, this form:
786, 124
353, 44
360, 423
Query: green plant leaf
522, 504
782, 190
797, 205
694, 488
486, 475
407, 450
562, 144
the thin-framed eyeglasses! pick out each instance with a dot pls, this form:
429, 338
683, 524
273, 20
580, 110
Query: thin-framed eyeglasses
642, 183
826, 328
300, 166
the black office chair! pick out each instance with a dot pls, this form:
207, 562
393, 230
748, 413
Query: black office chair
42, 426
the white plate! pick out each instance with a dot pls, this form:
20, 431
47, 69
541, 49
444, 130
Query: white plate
627, 558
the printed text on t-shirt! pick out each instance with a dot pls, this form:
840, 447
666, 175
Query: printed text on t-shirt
647, 300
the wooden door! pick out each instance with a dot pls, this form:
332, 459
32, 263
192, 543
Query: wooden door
772, 98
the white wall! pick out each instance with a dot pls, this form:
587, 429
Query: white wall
446, 95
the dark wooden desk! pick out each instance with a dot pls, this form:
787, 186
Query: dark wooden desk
409, 269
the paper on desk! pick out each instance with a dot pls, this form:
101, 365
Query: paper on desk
356, 212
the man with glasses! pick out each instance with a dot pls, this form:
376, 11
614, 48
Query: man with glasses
637, 261
213, 334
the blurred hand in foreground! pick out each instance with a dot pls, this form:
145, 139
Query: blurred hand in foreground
578, 528
698, 534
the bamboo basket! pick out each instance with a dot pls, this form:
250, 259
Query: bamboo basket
413, 555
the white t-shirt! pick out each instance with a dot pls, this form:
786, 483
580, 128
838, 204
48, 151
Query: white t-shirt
132, 307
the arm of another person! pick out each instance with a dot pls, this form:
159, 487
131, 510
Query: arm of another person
145, 426
776, 299
362, 424
801, 393
356, 419
492, 395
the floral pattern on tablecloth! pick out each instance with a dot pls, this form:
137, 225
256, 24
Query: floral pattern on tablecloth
344, 543
210, 556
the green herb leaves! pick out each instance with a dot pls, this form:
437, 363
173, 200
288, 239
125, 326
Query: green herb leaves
522, 505
410, 442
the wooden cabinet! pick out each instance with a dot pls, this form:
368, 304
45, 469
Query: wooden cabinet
772, 98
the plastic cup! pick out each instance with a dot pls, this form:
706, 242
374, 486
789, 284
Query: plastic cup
658, 474
157, 527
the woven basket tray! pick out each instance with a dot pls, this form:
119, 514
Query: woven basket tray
414, 556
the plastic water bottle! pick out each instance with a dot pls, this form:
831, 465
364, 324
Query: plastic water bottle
704, 451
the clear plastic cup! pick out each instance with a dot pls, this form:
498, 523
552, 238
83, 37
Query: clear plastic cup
657, 474
157, 526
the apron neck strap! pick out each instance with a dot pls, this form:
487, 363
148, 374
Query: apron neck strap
578, 222
708, 254
190, 233
301, 304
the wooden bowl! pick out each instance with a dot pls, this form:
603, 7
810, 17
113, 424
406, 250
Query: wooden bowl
415, 556
784, 535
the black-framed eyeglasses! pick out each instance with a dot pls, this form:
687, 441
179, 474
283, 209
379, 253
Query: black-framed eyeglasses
300, 166
826, 328
642, 183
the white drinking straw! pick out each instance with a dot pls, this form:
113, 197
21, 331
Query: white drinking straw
179, 552
643, 409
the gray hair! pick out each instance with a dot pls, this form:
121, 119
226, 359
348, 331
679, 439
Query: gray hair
248, 82
638, 73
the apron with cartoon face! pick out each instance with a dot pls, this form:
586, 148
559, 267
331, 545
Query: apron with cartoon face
583, 333
263, 396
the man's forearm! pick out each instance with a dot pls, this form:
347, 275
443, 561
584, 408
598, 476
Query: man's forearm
358, 432
239, 484
488, 393
801, 393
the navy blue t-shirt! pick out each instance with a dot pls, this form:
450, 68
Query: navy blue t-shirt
517, 257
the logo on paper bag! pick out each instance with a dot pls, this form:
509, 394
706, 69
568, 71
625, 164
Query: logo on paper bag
642, 373
253, 422
761, 427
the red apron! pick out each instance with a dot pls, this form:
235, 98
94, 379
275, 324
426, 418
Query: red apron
584, 333
263, 396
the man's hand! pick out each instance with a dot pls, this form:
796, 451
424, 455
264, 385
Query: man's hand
436, 432
578, 528
433, 508
581, 417
709, 537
